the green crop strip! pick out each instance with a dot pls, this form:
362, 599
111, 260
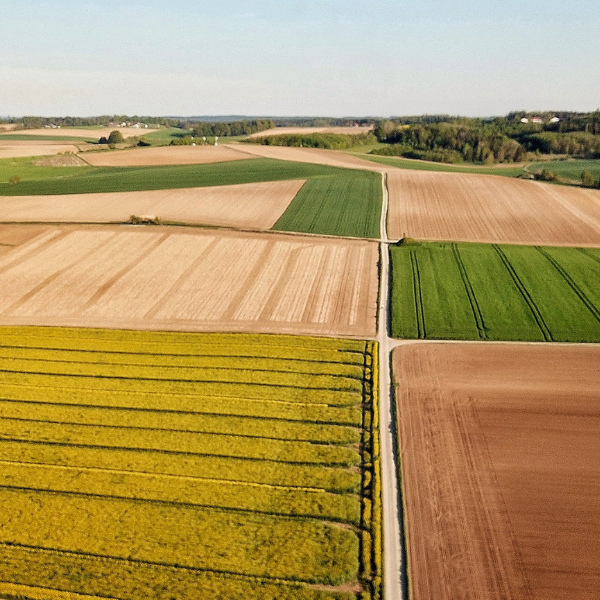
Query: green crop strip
333, 201
265, 482
495, 292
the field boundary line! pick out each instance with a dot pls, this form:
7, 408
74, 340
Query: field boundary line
571, 283
231, 482
477, 314
537, 315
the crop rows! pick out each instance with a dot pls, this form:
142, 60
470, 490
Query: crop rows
495, 292
247, 465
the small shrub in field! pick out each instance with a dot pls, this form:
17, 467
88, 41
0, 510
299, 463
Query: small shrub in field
115, 137
14, 180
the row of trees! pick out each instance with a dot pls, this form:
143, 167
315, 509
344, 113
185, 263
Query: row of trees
101, 121
329, 141
224, 129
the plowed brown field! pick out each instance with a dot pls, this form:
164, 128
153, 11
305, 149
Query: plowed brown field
485, 208
16, 149
500, 470
164, 155
308, 130
332, 158
250, 206
87, 133
161, 278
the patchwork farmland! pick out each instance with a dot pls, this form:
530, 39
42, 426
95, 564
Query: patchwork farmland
190, 280
247, 466
500, 469
495, 292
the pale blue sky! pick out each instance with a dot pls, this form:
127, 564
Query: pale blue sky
298, 57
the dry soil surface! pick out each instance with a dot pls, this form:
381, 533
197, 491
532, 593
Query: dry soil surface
332, 158
164, 155
16, 148
307, 130
500, 470
86, 133
249, 206
486, 208
188, 280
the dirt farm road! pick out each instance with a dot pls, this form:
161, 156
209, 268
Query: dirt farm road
393, 565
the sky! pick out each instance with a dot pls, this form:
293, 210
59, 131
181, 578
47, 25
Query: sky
298, 57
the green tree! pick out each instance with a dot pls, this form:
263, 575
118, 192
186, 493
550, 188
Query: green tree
115, 137
587, 179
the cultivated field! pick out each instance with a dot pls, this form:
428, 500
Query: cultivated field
465, 207
308, 130
163, 278
332, 158
345, 202
156, 465
164, 155
16, 149
252, 205
93, 132
495, 292
500, 470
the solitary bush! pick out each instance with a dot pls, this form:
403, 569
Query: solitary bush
587, 179
115, 137
14, 179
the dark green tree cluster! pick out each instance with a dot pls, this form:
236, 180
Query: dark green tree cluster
449, 142
329, 141
588, 180
583, 144
235, 128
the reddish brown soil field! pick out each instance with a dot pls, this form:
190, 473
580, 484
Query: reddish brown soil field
501, 470
486, 208
169, 278
163, 155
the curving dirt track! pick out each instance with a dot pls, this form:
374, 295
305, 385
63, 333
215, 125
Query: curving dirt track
309, 130
500, 469
485, 208
331, 158
249, 206
163, 278
164, 155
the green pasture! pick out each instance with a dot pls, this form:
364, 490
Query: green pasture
245, 464
27, 170
333, 201
462, 291
569, 169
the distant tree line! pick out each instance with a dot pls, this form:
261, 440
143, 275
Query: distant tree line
102, 121
329, 141
443, 138
235, 128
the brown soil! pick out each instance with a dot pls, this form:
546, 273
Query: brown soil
190, 280
307, 130
17, 149
164, 155
486, 208
500, 470
127, 132
332, 158
249, 206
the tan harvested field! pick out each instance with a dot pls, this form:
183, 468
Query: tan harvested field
164, 155
8, 126
87, 133
163, 278
486, 208
500, 470
249, 206
17, 149
307, 130
332, 158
